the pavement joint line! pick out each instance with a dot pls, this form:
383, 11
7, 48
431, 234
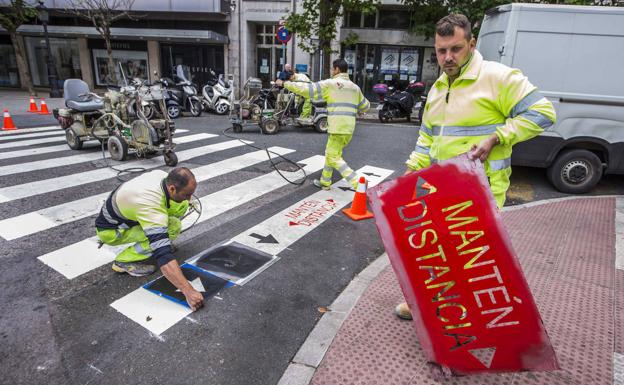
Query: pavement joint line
311, 353
619, 234
294, 375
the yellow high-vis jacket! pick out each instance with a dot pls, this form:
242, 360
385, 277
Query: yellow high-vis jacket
486, 98
344, 100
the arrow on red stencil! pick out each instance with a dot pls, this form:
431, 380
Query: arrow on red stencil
330, 200
293, 223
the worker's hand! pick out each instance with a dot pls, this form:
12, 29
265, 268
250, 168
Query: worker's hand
482, 151
279, 82
408, 171
194, 298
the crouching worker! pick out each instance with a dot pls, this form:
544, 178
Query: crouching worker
145, 212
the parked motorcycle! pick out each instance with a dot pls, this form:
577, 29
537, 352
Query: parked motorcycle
396, 104
182, 94
217, 94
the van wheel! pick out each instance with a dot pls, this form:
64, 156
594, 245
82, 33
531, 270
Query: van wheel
575, 171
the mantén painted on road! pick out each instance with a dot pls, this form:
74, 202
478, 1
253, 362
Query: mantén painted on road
473, 310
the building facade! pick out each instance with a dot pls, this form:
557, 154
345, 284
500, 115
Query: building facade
235, 37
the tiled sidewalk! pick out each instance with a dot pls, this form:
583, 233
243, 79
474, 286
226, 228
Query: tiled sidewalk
567, 250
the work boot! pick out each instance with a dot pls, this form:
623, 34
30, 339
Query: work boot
135, 269
403, 311
317, 183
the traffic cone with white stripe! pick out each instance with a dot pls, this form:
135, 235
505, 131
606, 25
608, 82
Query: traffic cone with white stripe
33, 106
358, 210
8, 122
44, 108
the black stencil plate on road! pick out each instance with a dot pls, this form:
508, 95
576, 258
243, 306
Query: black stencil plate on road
204, 282
233, 261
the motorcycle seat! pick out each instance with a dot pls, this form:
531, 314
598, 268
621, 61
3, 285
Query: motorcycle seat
76, 93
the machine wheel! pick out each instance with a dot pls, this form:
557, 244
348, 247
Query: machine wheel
171, 159
270, 126
238, 128
73, 141
117, 147
148, 111
575, 171
173, 111
195, 108
321, 125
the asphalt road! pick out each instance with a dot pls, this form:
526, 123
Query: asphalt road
55, 330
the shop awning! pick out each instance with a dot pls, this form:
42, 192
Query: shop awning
173, 35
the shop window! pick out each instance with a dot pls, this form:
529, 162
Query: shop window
354, 19
394, 19
8, 67
65, 55
134, 64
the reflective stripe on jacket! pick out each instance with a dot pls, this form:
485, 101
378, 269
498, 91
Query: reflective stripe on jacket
344, 100
143, 201
486, 98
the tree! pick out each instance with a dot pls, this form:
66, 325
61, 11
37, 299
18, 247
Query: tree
102, 14
11, 19
318, 20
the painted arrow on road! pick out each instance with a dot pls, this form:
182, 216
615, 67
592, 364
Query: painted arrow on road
346, 189
372, 174
264, 239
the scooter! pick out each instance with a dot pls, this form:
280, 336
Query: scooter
183, 93
217, 94
398, 104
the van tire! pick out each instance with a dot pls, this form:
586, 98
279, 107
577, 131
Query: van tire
575, 171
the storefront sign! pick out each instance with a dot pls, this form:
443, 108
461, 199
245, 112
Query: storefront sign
389, 60
473, 310
409, 62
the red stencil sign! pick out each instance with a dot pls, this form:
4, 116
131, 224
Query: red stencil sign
472, 307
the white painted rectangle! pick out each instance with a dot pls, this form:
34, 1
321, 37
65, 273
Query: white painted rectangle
11, 193
317, 208
142, 305
32, 142
59, 132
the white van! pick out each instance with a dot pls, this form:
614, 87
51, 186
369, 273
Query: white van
575, 56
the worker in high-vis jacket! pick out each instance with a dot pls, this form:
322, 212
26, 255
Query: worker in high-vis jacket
344, 102
145, 212
306, 111
477, 107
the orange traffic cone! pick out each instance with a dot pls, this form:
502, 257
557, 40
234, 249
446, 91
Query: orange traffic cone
8, 121
358, 210
44, 108
33, 105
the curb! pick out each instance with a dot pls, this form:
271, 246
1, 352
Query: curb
309, 356
311, 353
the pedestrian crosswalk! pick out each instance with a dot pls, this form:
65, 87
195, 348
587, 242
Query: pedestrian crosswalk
210, 157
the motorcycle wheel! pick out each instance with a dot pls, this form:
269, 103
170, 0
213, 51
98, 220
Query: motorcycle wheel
195, 108
73, 141
409, 117
222, 109
383, 116
118, 148
171, 159
173, 111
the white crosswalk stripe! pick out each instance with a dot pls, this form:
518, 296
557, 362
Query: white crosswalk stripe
32, 142
80, 158
84, 256
44, 219
11, 193
21, 131
33, 135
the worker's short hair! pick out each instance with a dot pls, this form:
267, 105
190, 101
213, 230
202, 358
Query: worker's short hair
179, 177
446, 26
341, 64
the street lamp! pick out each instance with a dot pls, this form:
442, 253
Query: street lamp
44, 17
